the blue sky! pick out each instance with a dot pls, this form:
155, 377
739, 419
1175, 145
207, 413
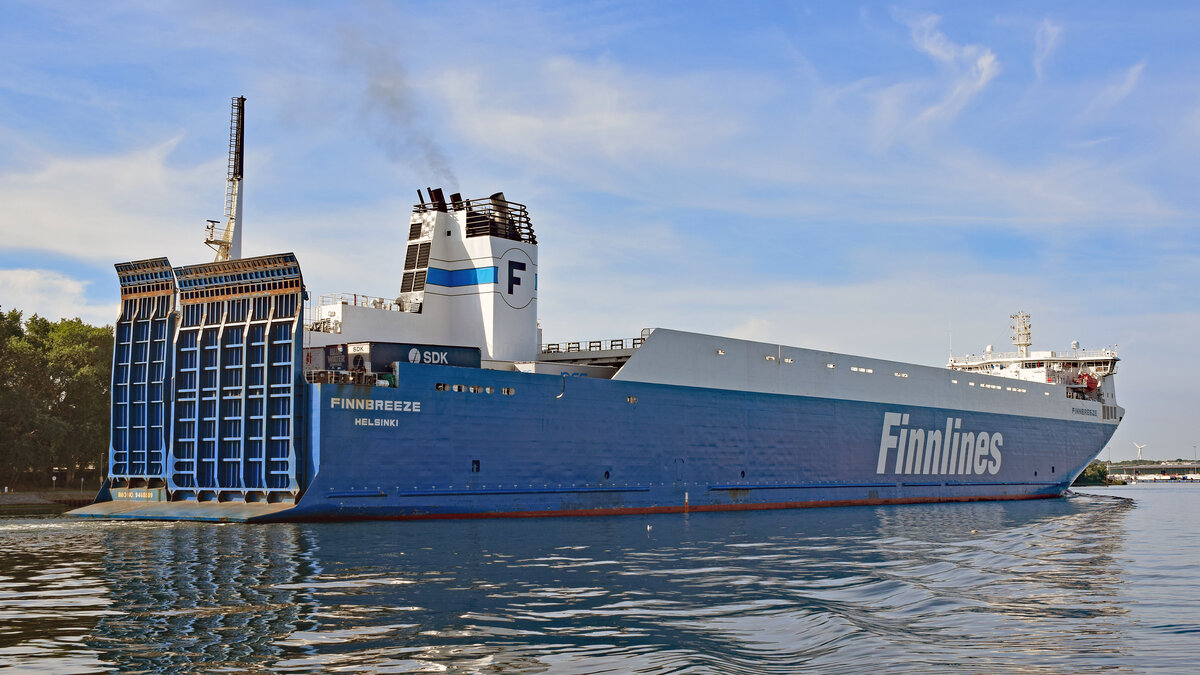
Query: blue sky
887, 179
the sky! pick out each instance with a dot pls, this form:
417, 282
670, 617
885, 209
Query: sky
885, 179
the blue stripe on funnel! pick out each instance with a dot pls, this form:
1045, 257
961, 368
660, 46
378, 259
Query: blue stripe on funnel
469, 277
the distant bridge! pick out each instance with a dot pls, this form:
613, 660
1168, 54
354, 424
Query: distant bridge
1164, 471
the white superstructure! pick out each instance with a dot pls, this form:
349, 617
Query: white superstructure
1086, 373
468, 279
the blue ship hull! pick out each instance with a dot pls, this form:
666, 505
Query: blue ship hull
218, 413
586, 448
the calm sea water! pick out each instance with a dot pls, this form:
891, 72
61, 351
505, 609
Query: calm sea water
1104, 580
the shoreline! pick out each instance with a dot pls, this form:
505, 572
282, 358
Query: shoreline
43, 500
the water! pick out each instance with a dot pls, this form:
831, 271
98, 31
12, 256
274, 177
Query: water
1084, 584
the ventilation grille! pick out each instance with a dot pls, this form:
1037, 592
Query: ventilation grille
416, 267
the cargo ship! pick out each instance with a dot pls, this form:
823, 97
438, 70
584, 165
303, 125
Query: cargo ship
237, 398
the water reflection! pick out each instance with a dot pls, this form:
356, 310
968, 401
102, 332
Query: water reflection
990, 586
193, 595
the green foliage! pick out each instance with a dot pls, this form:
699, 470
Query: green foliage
54, 382
1096, 473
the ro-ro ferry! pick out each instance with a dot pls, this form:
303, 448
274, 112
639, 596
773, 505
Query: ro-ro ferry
231, 402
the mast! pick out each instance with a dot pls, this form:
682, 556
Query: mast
228, 244
1021, 333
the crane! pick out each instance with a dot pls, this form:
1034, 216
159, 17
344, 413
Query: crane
228, 243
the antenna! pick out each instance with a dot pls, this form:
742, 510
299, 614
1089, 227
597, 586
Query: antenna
950, 333
1139, 446
228, 244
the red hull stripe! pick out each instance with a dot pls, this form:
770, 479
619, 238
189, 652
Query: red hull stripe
669, 509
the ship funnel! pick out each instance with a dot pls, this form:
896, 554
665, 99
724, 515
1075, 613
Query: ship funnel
438, 199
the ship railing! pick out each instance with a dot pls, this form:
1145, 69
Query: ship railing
490, 216
1074, 354
593, 345
356, 378
359, 300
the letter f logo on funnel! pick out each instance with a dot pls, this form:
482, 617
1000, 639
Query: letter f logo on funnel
513, 279
516, 278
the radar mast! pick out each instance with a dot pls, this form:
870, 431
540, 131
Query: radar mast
1021, 333
228, 244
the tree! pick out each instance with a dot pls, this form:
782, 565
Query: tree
54, 382
1096, 473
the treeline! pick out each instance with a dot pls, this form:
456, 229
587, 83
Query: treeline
1096, 473
54, 382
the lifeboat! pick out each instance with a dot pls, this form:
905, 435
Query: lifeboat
1086, 381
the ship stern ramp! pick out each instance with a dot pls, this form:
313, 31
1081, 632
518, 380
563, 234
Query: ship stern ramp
219, 512
207, 392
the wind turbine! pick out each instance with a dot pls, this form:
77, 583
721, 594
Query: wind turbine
1139, 446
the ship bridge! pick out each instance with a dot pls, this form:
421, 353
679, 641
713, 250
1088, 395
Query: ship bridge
1085, 374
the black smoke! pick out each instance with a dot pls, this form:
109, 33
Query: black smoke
392, 114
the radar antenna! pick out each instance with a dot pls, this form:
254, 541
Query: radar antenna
228, 244
1021, 333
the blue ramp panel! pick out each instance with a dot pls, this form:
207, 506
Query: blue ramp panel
238, 381
141, 367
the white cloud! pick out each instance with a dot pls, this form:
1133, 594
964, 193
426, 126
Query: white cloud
53, 295
971, 66
1046, 41
107, 208
613, 128
569, 116
1115, 92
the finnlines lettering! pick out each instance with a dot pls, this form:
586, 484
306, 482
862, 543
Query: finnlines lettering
934, 451
1084, 411
375, 404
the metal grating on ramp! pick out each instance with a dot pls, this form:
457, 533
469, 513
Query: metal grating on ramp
138, 435
237, 381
